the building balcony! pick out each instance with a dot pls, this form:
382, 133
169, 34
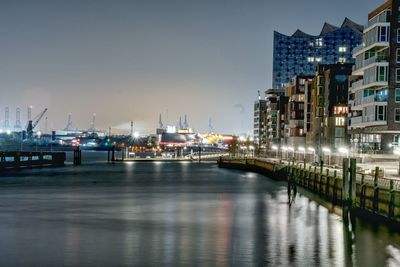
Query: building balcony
365, 47
362, 84
368, 121
359, 68
373, 100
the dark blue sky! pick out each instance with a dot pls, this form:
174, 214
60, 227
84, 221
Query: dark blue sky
131, 60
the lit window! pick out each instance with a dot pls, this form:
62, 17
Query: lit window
397, 75
342, 49
397, 95
342, 60
397, 115
340, 110
339, 121
319, 42
318, 59
310, 59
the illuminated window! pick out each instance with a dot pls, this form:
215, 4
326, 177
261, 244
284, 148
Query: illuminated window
342, 49
339, 121
318, 59
319, 42
342, 60
340, 110
310, 59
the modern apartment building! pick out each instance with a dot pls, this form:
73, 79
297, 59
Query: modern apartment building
272, 116
259, 121
329, 102
294, 125
374, 96
300, 53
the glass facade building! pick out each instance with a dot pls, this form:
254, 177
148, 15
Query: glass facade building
300, 53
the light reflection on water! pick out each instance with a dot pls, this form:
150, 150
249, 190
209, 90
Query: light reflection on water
173, 214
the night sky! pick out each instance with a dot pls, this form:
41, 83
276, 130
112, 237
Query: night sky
131, 60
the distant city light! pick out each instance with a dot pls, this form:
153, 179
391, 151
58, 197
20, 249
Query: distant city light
136, 134
274, 147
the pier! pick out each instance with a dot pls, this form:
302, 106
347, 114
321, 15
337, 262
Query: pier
20, 159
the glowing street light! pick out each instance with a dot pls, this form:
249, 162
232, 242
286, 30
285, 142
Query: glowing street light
344, 151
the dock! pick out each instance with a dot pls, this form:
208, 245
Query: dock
20, 159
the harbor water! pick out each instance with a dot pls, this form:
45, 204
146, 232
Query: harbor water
174, 214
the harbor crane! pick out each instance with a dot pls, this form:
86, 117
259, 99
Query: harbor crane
33, 123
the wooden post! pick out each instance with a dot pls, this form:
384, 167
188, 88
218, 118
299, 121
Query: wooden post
327, 183
376, 191
113, 154
334, 189
391, 200
345, 184
352, 184
315, 179
362, 191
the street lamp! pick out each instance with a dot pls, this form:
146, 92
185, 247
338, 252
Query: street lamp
344, 151
328, 151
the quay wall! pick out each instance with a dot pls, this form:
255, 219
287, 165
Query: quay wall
373, 195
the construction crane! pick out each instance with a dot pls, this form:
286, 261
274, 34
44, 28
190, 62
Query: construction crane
33, 123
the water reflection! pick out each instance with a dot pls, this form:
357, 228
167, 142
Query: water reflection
170, 214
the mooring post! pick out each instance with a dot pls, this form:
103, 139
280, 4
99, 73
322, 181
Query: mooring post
376, 190
391, 199
113, 154
353, 176
77, 156
362, 191
108, 155
345, 185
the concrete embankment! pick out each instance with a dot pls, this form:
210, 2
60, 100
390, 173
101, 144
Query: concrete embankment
371, 195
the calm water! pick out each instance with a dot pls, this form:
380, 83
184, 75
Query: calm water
174, 214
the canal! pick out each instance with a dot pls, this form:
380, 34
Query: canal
174, 214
